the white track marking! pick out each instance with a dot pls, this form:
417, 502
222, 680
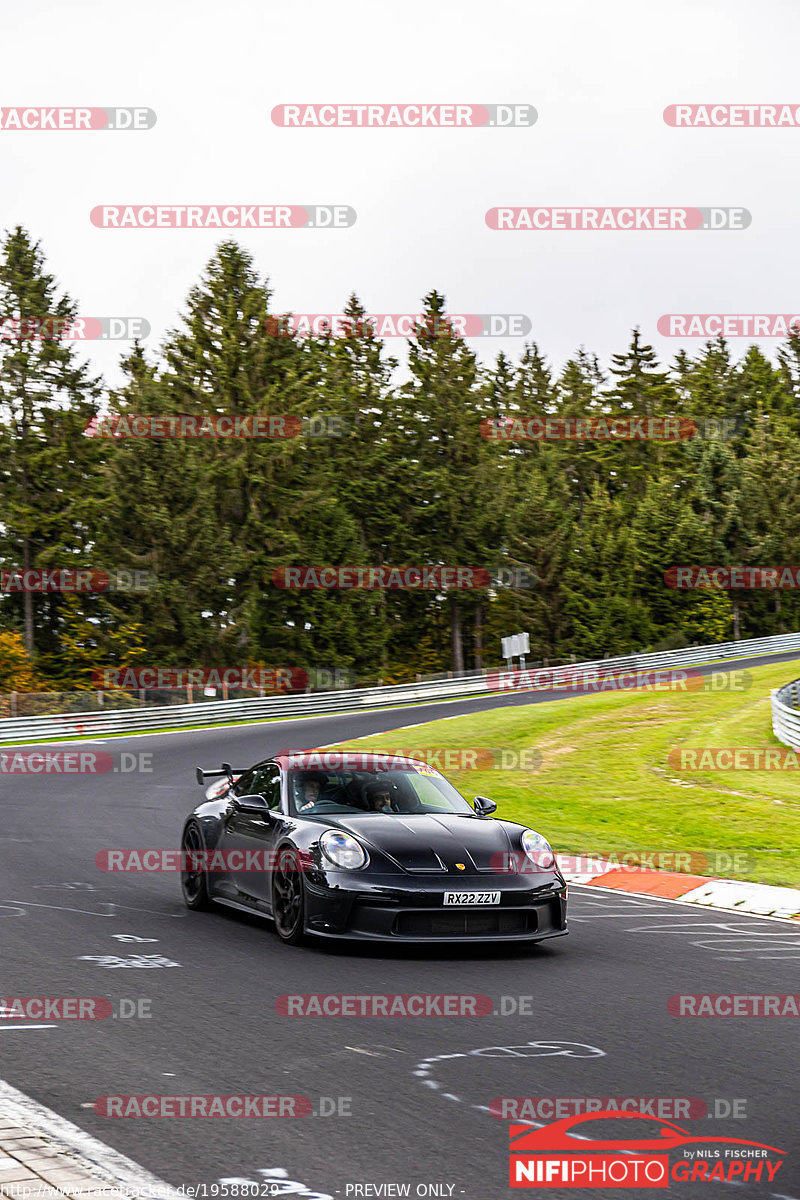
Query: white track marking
60, 908
93, 1155
6, 1028
57, 887
138, 961
20, 906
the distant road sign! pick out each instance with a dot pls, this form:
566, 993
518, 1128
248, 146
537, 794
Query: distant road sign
516, 645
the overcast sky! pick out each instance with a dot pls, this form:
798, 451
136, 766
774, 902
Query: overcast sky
599, 76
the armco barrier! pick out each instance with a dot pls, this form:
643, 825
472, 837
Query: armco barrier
786, 715
360, 699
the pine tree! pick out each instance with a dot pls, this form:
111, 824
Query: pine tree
643, 390
162, 517
580, 394
600, 583
455, 518
48, 495
789, 363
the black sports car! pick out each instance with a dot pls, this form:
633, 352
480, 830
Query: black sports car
367, 846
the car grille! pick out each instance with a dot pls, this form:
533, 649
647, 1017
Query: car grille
432, 924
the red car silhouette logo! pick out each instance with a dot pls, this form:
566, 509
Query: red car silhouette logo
525, 1139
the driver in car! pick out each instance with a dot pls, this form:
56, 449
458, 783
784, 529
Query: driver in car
379, 797
309, 794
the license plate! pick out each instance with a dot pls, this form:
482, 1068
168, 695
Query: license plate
472, 897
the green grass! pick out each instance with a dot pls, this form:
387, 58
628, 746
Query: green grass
605, 785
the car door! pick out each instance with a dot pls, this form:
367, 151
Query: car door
248, 832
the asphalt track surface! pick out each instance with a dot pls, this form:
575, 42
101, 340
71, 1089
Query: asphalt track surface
585, 1015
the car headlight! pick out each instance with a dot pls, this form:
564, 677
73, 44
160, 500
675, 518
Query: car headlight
343, 850
538, 850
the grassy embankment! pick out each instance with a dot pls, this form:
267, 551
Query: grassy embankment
606, 786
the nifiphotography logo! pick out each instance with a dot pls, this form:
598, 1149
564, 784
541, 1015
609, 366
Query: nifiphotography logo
555, 1156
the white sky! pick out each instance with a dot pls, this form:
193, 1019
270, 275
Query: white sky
598, 74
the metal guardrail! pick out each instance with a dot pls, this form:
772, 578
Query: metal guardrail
230, 711
364, 699
786, 714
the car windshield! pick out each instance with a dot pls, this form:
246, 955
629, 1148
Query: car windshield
409, 790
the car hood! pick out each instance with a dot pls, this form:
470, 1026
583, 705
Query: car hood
428, 843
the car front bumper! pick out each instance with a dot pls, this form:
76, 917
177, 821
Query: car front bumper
381, 909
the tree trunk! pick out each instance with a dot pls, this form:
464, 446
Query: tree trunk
455, 630
736, 632
27, 597
479, 638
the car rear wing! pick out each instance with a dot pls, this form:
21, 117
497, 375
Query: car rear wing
227, 769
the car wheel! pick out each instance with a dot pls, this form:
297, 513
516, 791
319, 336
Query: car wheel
288, 898
194, 884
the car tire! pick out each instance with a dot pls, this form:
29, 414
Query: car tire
288, 898
194, 884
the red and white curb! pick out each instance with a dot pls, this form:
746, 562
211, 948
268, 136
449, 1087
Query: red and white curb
734, 895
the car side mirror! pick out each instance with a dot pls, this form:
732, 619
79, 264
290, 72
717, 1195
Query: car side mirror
484, 806
252, 804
